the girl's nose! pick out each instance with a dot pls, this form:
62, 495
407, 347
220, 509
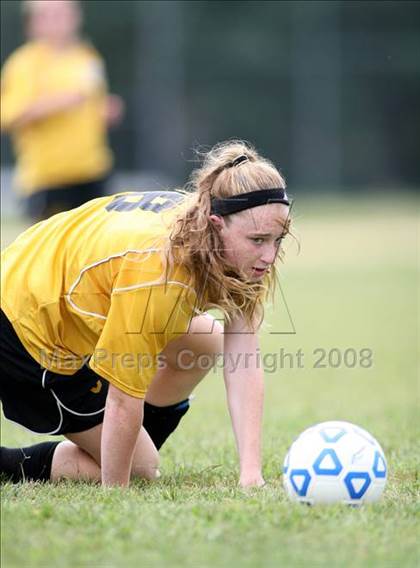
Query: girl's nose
269, 253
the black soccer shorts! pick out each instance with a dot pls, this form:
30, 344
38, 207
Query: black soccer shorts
42, 401
48, 201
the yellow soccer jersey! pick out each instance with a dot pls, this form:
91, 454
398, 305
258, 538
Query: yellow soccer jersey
68, 146
87, 282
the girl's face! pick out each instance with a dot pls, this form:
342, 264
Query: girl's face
251, 238
57, 22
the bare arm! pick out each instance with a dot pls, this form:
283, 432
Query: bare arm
47, 106
121, 427
245, 393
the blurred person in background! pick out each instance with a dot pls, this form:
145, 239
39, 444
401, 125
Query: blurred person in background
56, 107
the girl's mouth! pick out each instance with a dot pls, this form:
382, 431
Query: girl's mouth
259, 271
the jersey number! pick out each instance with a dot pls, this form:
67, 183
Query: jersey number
154, 201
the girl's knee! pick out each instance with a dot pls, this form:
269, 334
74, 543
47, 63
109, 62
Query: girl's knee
146, 470
71, 462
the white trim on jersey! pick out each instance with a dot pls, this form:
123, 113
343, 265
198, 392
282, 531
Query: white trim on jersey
93, 265
153, 283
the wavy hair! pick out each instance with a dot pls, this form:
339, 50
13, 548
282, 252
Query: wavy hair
195, 244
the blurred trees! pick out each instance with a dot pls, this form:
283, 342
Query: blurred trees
329, 90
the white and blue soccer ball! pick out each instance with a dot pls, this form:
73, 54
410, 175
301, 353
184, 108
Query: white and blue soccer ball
335, 462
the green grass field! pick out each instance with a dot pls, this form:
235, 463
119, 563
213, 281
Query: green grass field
354, 285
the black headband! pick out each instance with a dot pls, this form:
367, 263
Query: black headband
244, 201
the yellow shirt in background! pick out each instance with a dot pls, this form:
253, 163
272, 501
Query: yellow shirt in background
69, 146
86, 282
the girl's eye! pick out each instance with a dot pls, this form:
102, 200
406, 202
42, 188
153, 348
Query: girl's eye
258, 240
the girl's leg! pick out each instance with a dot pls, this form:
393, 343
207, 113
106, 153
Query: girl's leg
146, 456
71, 462
47, 461
80, 458
187, 361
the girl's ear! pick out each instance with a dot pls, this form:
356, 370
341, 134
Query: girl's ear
217, 222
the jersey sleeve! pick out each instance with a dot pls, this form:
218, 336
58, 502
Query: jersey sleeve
140, 322
17, 89
94, 75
